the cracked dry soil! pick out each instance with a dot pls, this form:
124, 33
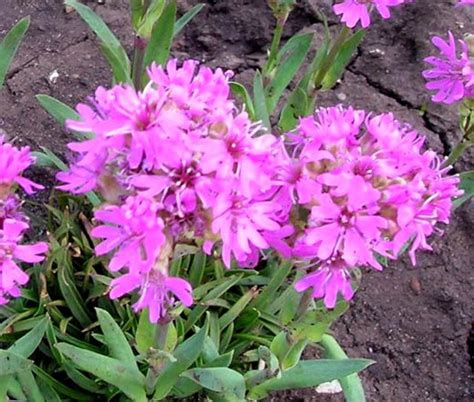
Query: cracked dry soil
414, 322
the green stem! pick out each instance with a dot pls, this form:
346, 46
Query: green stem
161, 334
457, 152
305, 302
329, 60
273, 50
351, 385
138, 62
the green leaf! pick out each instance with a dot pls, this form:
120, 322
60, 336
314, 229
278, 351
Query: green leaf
293, 356
241, 92
68, 288
289, 60
237, 308
222, 361
309, 373
295, 107
28, 343
342, 59
158, 49
279, 275
185, 388
80, 379
10, 45
145, 335
351, 385
260, 101
29, 386
11, 363
112, 371
222, 380
60, 111
186, 354
152, 14
103, 32
48, 158
48, 392
217, 291
186, 18
120, 72
196, 272
466, 184
55, 385
136, 10
116, 340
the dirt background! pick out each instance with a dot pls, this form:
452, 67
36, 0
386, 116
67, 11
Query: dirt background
414, 322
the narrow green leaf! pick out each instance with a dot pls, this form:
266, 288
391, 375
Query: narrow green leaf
237, 308
226, 337
10, 45
81, 380
295, 107
186, 18
57, 109
28, 343
342, 59
102, 31
260, 101
152, 14
241, 92
222, 361
197, 269
279, 275
186, 354
216, 292
309, 373
351, 385
289, 60
116, 340
11, 363
112, 371
68, 288
222, 380
136, 10
14, 389
54, 384
29, 386
48, 392
120, 72
158, 49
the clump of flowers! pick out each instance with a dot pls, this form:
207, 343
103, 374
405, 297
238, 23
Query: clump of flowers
451, 75
13, 223
177, 163
353, 11
364, 187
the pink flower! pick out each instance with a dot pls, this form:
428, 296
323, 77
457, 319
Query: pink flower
364, 187
464, 2
11, 275
13, 162
133, 231
329, 280
452, 77
353, 11
157, 292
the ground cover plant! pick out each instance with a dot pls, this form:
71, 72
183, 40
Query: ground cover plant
187, 188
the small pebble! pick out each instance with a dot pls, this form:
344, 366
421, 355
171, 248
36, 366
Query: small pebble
415, 285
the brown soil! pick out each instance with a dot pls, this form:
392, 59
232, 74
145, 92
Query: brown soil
414, 322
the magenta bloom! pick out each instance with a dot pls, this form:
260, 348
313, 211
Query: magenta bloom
353, 11
11, 275
463, 2
451, 76
13, 162
364, 186
134, 231
157, 292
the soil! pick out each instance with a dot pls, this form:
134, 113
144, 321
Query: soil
414, 322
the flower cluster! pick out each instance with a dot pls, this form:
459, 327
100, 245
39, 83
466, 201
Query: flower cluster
353, 11
13, 223
364, 187
451, 76
177, 163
